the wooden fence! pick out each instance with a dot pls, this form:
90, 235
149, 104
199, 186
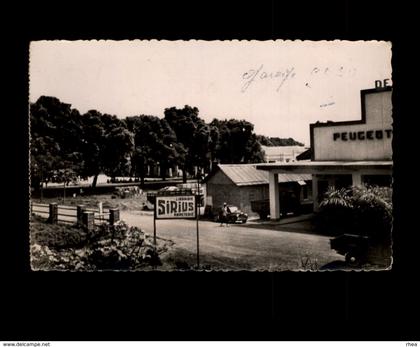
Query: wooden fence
80, 215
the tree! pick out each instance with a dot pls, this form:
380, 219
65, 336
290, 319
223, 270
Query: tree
65, 176
168, 151
93, 139
119, 144
237, 142
214, 142
65, 142
44, 160
55, 139
190, 131
276, 141
144, 143
107, 145
201, 148
155, 143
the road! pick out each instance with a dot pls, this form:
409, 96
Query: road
239, 247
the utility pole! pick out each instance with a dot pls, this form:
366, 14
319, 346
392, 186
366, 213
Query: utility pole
197, 216
42, 185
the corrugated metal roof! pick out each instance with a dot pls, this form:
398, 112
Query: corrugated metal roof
247, 174
305, 155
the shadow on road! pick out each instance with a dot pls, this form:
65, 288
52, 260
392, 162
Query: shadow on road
336, 265
342, 265
303, 225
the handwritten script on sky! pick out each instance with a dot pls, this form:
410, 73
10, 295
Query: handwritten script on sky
283, 75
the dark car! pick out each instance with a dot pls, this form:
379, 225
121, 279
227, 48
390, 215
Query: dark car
169, 189
361, 249
234, 215
353, 247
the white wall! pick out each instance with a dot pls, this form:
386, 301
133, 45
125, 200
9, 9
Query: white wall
378, 117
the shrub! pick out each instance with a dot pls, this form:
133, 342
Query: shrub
121, 247
372, 208
57, 236
335, 208
107, 247
363, 210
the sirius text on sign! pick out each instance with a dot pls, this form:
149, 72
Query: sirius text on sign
175, 207
363, 135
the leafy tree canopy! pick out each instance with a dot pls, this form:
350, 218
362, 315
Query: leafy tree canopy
66, 144
276, 141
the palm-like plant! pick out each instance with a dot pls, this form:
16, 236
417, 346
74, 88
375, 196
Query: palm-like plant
365, 210
336, 198
335, 207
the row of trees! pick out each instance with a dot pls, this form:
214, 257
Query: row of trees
277, 141
66, 144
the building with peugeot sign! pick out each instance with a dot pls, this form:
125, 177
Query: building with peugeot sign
344, 153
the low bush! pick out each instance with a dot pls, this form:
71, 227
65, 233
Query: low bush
362, 210
117, 247
121, 247
58, 236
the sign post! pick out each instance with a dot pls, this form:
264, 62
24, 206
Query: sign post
197, 216
176, 206
154, 229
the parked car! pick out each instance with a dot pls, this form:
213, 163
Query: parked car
169, 189
361, 249
235, 215
353, 247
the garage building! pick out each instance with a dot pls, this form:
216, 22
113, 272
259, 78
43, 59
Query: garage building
239, 184
345, 153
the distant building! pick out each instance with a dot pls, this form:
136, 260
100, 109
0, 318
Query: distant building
239, 184
282, 154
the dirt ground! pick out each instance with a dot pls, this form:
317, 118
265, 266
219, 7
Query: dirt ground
236, 247
259, 246
108, 200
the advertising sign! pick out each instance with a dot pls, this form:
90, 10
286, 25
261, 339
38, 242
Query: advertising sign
175, 207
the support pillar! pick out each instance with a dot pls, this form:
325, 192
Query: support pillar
80, 210
273, 180
315, 197
88, 219
114, 215
53, 218
356, 179
331, 181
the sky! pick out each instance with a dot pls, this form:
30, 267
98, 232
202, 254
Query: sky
279, 86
